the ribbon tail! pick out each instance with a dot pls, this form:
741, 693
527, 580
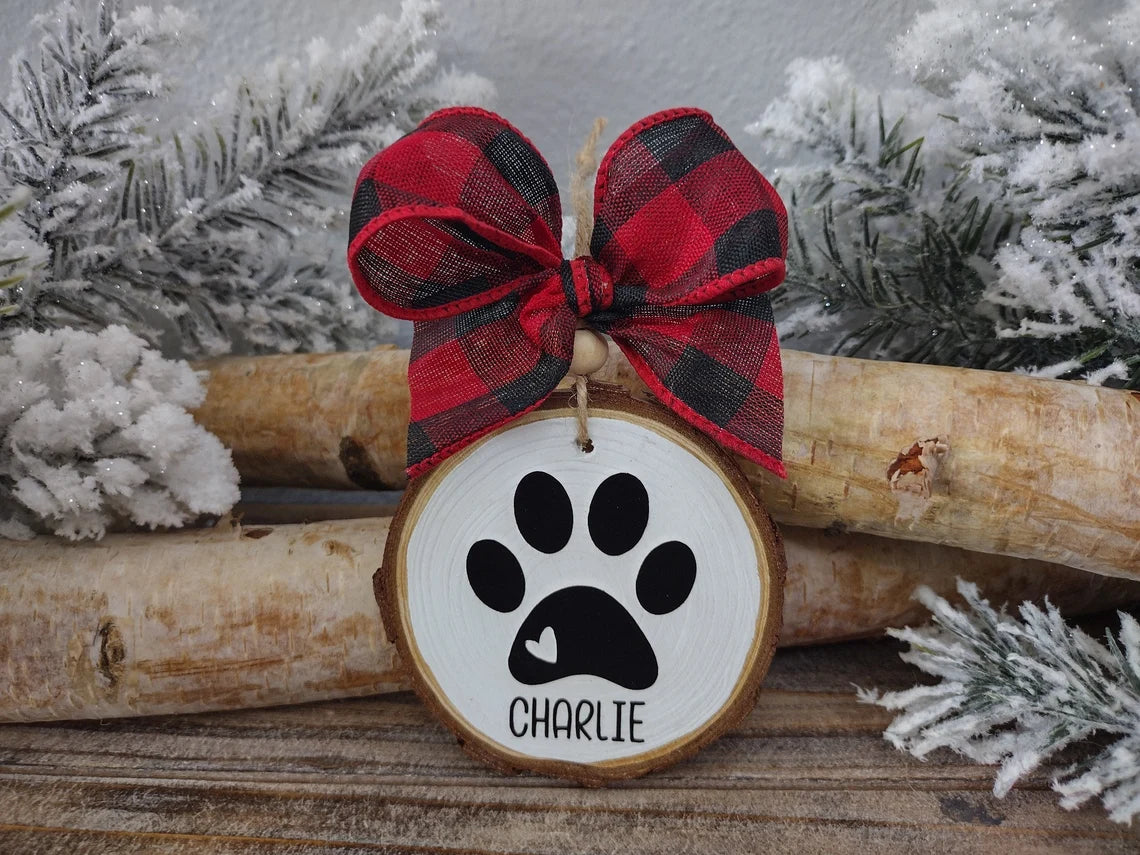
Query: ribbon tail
475, 372
718, 368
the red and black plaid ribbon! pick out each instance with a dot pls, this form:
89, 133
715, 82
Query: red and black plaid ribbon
457, 226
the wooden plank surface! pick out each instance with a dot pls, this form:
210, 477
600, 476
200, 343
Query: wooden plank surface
808, 771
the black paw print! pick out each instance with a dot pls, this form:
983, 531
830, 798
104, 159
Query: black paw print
581, 629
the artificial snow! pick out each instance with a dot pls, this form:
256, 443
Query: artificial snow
94, 428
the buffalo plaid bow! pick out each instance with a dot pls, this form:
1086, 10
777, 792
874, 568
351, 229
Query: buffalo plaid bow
457, 226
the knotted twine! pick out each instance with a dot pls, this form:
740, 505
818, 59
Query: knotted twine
581, 198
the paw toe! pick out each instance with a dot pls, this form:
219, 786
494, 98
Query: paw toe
666, 577
495, 575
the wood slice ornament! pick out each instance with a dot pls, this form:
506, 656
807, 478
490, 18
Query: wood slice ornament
591, 615
591, 592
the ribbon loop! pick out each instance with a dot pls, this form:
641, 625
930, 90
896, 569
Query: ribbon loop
457, 226
452, 216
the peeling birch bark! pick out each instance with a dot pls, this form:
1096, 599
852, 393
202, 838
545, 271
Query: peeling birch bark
226, 618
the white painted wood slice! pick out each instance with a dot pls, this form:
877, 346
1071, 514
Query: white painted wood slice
593, 615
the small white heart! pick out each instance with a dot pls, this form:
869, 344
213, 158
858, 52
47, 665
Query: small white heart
546, 648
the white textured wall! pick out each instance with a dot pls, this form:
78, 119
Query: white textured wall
559, 64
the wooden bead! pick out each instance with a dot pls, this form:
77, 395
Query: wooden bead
590, 352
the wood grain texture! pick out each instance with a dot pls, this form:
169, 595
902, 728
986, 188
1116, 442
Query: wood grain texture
1036, 469
807, 771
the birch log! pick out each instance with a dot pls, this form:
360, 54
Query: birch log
226, 618
1035, 468
144, 624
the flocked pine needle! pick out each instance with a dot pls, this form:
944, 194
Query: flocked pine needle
127, 244
985, 213
1016, 690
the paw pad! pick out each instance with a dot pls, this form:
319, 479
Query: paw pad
582, 629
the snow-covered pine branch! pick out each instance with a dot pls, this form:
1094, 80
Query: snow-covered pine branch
218, 238
94, 428
885, 255
71, 121
234, 222
1026, 223
1047, 110
22, 257
1016, 692
215, 239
